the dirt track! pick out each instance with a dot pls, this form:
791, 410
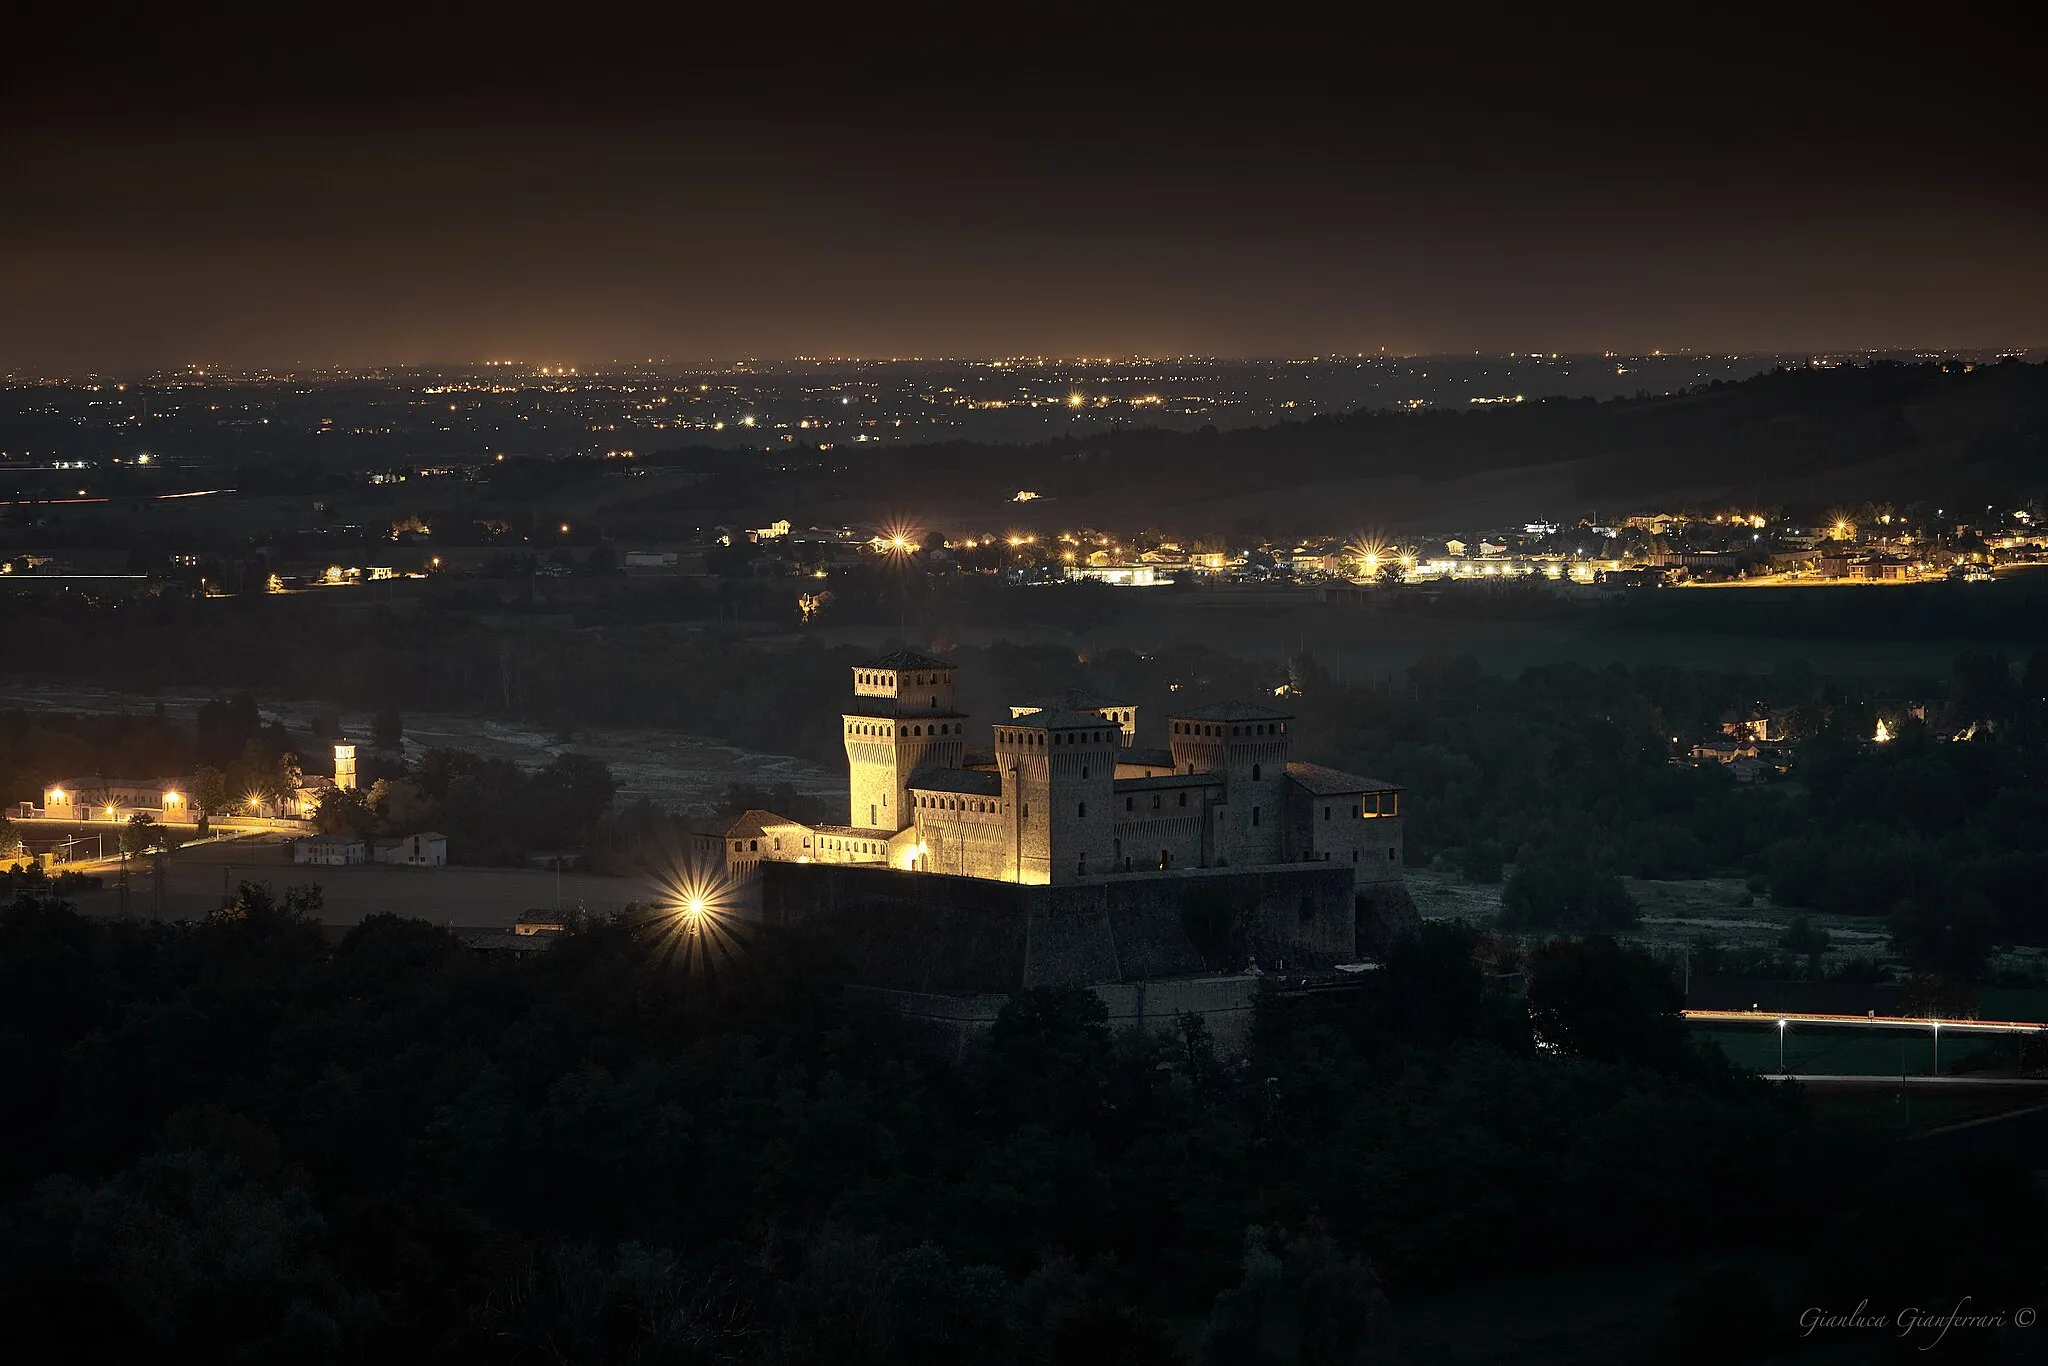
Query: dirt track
465, 898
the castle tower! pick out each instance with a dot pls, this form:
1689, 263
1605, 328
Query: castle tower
1246, 745
1122, 714
1059, 770
903, 719
345, 767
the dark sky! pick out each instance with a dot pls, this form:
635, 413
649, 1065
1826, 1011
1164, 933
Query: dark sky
412, 186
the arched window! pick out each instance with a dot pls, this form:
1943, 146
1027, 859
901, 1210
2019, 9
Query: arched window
1255, 772
1083, 809
1084, 773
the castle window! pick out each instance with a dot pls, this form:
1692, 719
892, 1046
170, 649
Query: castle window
753, 846
1354, 812
1255, 772
1155, 801
1083, 809
1390, 853
1130, 803
1255, 815
1326, 813
736, 846
1084, 773
1027, 811
1354, 856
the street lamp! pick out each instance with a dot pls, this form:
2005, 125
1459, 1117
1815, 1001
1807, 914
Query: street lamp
1781, 1046
1937, 1048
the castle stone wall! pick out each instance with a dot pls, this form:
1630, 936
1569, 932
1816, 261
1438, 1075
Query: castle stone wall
932, 932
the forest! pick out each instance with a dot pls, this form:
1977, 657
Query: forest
235, 1140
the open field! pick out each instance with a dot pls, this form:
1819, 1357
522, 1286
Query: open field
681, 772
197, 879
1676, 914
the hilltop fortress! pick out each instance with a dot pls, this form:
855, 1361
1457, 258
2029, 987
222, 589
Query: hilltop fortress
1167, 879
1067, 797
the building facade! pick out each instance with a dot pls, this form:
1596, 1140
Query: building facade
1067, 796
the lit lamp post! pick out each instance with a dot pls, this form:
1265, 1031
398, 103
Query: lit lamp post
1937, 1048
1781, 1046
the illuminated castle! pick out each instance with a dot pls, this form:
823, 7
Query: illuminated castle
1067, 796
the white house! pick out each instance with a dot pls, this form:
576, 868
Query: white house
425, 850
332, 851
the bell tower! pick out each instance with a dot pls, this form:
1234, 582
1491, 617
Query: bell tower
903, 719
345, 767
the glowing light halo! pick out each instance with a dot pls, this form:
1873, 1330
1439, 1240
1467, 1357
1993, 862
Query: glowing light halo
1369, 552
691, 918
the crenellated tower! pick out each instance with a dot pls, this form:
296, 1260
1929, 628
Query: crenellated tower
1246, 745
1059, 775
903, 719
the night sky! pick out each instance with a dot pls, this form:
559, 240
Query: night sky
180, 189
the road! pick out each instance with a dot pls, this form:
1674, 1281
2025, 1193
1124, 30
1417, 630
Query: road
1921, 1023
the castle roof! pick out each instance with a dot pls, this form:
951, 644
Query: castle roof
1330, 782
1136, 757
752, 824
1077, 699
1056, 718
970, 782
903, 659
1233, 711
